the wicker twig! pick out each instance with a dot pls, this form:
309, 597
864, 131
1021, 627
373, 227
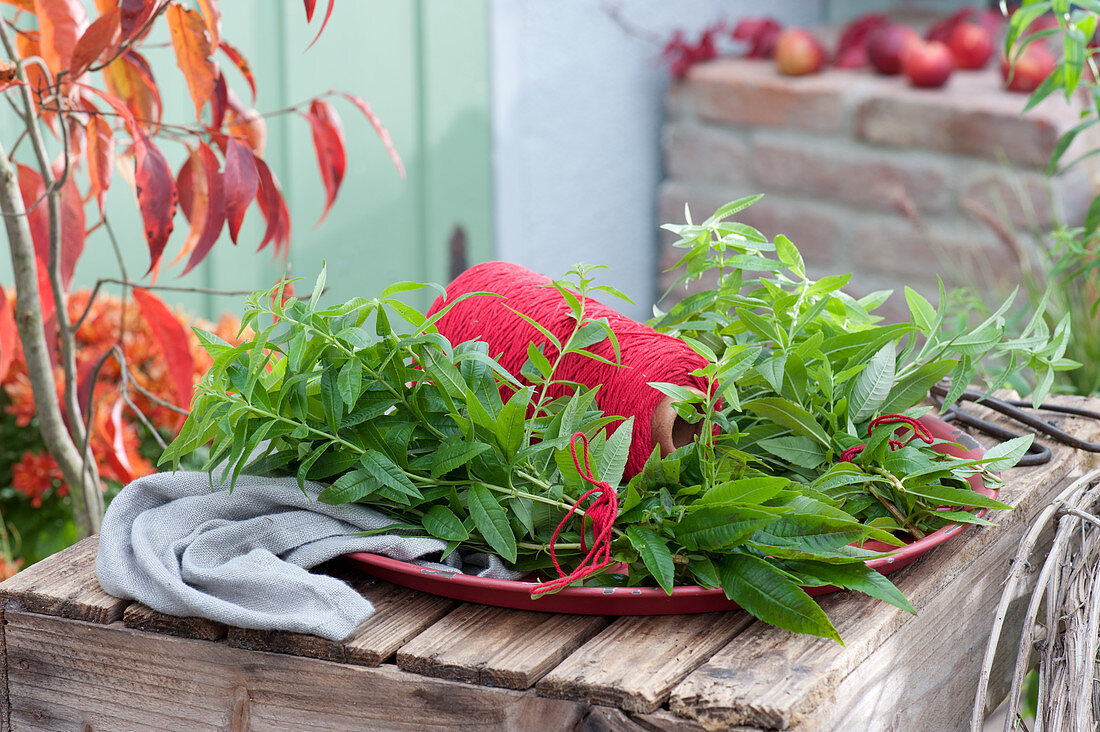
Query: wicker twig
1068, 639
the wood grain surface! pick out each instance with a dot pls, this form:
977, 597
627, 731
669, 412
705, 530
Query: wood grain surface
142, 617
65, 585
399, 615
69, 675
636, 661
496, 646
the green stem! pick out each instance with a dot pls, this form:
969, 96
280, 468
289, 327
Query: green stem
890, 506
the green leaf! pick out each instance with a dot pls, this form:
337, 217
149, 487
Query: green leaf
1006, 454
790, 415
511, 421
797, 450
331, 402
922, 313
850, 576
770, 595
745, 490
946, 496
655, 554
441, 522
388, 473
873, 385
350, 381
491, 521
612, 460
452, 454
720, 527
350, 487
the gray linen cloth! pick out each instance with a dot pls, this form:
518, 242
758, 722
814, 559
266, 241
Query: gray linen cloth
241, 558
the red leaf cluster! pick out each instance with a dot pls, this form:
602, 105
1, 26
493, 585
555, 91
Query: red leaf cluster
681, 55
760, 34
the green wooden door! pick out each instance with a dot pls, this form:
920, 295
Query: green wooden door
422, 65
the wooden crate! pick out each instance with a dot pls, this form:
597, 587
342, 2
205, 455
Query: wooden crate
74, 658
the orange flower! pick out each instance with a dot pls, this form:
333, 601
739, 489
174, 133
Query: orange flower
34, 475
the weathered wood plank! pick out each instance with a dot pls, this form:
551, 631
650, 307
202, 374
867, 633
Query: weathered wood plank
495, 646
771, 678
609, 719
69, 675
399, 615
5, 703
636, 661
65, 585
143, 617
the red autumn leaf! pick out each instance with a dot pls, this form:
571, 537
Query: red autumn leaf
47, 306
215, 206
184, 183
130, 80
273, 207
101, 156
379, 130
191, 42
102, 37
72, 229
113, 436
212, 16
77, 139
60, 24
33, 191
135, 14
242, 65
219, 103
156, 194
9, 338
310, 4
172, 339
104, 5
27, 5
328, 141
242, 181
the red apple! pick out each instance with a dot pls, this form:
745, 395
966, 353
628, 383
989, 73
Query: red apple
886, 46
798, 52
1034, 64
971, 45
927, 63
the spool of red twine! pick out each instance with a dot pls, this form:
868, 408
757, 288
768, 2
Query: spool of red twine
646, 355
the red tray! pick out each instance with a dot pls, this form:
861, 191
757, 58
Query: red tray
516, 594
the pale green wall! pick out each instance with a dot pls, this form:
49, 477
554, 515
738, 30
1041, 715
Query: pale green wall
423, 67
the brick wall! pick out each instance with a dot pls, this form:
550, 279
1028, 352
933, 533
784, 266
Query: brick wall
868, 175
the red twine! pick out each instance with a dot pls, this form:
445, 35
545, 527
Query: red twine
601, 513
919, 432
646, 354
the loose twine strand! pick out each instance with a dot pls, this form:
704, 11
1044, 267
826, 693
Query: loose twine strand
919, 432
601, 514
